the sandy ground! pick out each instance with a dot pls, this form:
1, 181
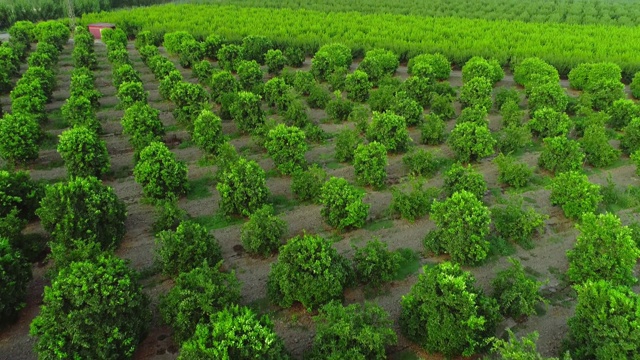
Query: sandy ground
546, 260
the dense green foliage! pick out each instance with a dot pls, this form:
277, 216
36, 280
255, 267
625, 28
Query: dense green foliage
520, 349
605, 324
347, 141
415, 203
80, 212
389, 130
630, 140
20, 138
471, 141
190, 99
512, 172
306, 185
242, 188
459, 177
186, 248
598, 151
263, 233
476, 92
575, 194
514, 222
159, 173
421, 162
234, 333
445, 313
287, 145
516, 292
342, 205
561, 154
374, 264
19, 191
547, 122
352, 332
83, 152
198, 293
142, 123
246, 112
309, 271
92, 310
15, 275
207, 132
604, 250
369, 163
432, 131
463, 226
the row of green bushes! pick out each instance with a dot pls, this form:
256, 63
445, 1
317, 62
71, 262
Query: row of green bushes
509, 42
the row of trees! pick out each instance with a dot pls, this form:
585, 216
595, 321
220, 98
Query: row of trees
456, 38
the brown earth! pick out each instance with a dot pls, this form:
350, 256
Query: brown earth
546, 260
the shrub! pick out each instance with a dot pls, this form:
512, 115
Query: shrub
161, 66
471, 142
243, 188
525, 348
604, 250
517, 294
338, 108
29, 99
249, 74
478, 67
229, 55
125, 73
277, 94
474, 114
525, 72
199, 293
598, 151
262, 234
561, 154
442, 105
337, 79
191, 53
72, 320
548, 95
295, 56
432, 130
296, 113
357, 86
142, 123
79, 212
254, 48
374, 264
15, 275
463, 226
390, 130
159, 173
174, 41
378, 63
347, 141
438, 62
621, 112
144, 38
630, 140
605, 92
207, 132
186, 248
223, 82
168, 83
513, 138
605, 323
408, 108
635, 86
307, 184
419, 89
415, 203
84, 153
342, 205
369, 163
46, 77
212, 44
318, 97
459, 178
383, 98
203, 70
190, 99
507, 95
355, 332
511, 114
511, 172
20, 138
303, 82
246, 112
328, 58
168, 215
575, 194
18, 191
118, 56
131, 92
234, 333
422, 162
275, 61
444, 312
515, 223
476, 92
309, 271
286, 145
547, 122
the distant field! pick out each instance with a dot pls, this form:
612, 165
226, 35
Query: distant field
562, 45
614, 12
